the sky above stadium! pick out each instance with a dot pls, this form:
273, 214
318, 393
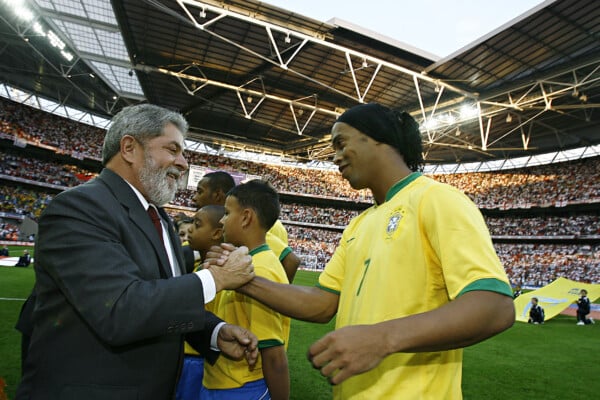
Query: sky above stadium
439, 27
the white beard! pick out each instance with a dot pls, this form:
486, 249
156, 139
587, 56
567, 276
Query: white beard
159, 188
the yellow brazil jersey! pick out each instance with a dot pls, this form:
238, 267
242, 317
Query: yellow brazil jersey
277, 240
279, 230
408, 256
271, 328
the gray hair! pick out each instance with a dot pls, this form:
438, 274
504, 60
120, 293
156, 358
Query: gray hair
143, 122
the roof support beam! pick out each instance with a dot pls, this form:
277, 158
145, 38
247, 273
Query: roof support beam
194, 7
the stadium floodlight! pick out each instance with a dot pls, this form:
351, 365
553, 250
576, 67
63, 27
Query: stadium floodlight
37, 27
431, 123
20, 9
468, 111
23, 13
55, 40
68, 56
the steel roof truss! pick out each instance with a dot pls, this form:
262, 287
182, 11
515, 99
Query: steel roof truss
186, 5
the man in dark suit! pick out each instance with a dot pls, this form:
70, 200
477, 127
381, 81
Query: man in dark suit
112, 306
24, 260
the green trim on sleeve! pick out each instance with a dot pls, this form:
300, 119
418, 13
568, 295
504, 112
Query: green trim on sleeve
284, 253
265, 344
489, 285
327, 289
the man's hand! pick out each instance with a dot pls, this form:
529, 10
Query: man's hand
346, 352
233, 269
217, 255
236, 342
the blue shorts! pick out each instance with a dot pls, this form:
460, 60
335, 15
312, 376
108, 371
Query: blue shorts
256, 390
190, 381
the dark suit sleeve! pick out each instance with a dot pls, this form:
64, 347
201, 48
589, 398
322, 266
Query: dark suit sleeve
25, 321
188, 258
102, 258
200, 340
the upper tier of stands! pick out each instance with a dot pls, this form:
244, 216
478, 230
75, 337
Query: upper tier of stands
551, 187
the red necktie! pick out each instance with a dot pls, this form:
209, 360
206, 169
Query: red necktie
156, 221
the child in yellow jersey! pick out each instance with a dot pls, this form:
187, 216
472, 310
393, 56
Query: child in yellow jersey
250, 211
213, 188
204, 231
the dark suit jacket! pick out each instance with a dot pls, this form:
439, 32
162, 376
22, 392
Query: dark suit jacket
24, 261
109, 320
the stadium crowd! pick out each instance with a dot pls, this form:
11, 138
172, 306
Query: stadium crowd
45, 129
37, 170
576, 225
23, 202
552, 186
537, 265
9, 232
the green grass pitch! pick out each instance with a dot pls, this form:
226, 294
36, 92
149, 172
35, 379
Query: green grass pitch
557, 360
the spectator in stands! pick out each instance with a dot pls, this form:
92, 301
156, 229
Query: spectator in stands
24, 260
536, 312
213, 189
583, 309
413, 280
112, 305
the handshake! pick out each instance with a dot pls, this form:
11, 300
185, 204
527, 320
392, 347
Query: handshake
230, 266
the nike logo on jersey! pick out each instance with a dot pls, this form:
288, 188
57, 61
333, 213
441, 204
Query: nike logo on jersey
349, 240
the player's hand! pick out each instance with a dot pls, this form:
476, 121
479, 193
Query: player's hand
217, 255
236, 342
346, 352
235, 270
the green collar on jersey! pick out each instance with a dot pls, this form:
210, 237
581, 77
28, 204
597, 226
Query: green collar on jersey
256, 250
401, 184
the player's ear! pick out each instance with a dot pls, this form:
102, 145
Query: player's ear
219, 196
217, 234
247, 216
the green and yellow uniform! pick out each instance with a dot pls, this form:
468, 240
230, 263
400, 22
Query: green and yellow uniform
277, 240
404, 257
270, 327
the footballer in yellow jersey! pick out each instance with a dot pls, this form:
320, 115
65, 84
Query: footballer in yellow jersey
379, 276
414, 279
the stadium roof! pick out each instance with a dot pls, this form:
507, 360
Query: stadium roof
248, 75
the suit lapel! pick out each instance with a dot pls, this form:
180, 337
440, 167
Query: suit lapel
174, 239
138, 216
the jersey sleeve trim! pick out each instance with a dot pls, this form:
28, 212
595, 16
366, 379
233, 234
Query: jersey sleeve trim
265, 344
328, 289
488, 285
284, 253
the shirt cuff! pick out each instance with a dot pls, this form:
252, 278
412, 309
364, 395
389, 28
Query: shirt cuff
215, 336
208, 285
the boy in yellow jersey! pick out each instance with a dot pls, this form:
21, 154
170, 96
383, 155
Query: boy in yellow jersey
413, 280
213, 188
251, 209
204, 231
